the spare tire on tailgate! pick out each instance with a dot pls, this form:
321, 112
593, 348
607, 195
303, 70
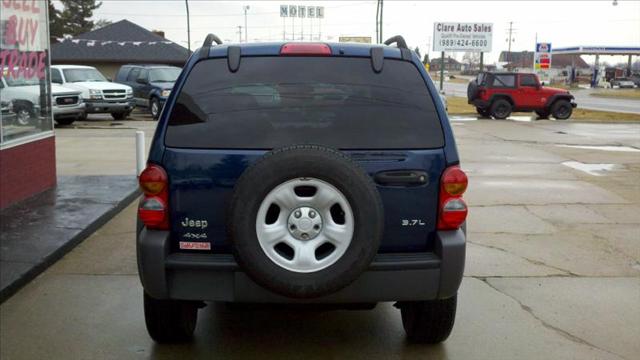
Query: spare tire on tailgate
305, 221
472, 90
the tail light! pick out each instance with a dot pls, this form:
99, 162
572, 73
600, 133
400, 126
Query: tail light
452, 210
305, 49
154, 207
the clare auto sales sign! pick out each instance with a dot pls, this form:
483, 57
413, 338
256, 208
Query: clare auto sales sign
462, 36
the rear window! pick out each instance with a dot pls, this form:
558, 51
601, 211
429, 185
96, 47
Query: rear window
277, 101
504, 81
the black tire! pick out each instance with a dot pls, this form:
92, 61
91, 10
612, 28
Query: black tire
542, 114
472, 90
428, 322
501, 109
119, 115
561, 109
483, 112
24, 114
65, 121
154, 108
305, 161
83, 116
170, 320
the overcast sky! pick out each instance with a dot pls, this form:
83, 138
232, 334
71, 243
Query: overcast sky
563, 23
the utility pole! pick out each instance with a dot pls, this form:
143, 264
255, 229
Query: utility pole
246, 39
239, 33
442, 71
186, 3
509, 40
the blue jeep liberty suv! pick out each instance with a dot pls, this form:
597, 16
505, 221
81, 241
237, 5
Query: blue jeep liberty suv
302, 173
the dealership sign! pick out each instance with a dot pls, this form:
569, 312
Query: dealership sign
302, 11
543, 56
462, 36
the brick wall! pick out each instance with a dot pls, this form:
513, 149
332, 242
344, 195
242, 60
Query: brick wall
26, 170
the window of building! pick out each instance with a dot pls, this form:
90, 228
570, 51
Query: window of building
25, 88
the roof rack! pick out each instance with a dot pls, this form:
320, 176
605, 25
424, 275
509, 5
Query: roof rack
398, 40
206, 46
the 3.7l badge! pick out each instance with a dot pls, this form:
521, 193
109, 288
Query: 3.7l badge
413, 222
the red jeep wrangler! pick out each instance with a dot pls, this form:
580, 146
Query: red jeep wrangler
500, 94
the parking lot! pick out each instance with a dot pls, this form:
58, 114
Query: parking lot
553, 263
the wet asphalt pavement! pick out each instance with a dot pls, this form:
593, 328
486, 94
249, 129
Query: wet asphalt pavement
553, 269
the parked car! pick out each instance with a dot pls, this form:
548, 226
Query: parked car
151, 84
498, 94
8, 116
623, 83
99, 94
303, 173
67, 105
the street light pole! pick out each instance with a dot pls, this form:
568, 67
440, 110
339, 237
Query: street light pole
246, 39
186, 3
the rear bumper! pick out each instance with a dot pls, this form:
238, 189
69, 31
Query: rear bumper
217, 277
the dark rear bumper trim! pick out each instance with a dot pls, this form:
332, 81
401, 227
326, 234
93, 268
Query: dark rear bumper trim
226, 262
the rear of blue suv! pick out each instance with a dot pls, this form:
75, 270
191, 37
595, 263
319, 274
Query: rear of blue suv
302, 173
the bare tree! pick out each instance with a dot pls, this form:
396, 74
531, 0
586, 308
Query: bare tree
472, 58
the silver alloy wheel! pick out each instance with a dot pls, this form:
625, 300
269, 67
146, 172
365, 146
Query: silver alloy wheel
23, 117
305, 225
155, 108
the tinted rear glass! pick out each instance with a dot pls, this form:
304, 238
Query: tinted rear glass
277, 101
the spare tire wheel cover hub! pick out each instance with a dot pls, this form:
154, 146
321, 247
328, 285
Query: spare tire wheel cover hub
304, 224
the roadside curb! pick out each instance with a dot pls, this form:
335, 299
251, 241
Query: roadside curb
49, 259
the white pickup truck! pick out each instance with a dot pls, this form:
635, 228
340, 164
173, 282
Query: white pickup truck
24, 97
99, 94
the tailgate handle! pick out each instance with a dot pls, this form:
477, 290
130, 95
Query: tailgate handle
402, 178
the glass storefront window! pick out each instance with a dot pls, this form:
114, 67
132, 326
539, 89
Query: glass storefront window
25, 88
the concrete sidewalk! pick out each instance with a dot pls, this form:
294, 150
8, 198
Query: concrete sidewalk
96, 180
40, 230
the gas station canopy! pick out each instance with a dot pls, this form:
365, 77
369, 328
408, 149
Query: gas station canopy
598, 50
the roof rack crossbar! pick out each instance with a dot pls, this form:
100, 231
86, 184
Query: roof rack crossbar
398, 40
206, 46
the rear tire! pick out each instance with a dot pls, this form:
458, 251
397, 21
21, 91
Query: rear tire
170, 320
483, 112
561, 109
120, 115
24, 114
542, 114
501, 109
65, 121
428, 322
472, 90
154, 108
